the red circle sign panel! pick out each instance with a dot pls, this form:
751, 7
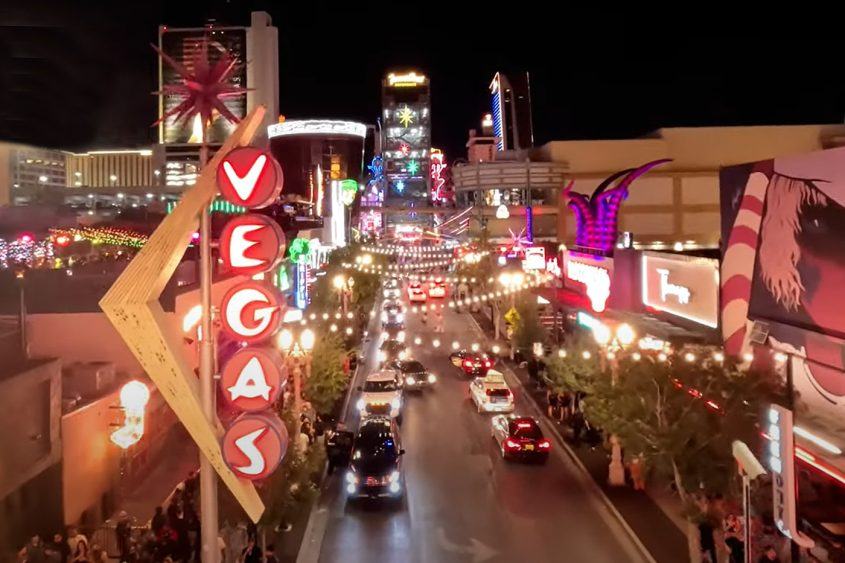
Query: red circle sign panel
254, 445
252, 243
249, 177
252, 311
252, 379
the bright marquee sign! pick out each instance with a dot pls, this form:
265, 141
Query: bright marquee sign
594, 274
317, 127
684, 286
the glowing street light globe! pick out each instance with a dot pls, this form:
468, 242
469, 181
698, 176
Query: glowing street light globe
625, 334
307, 339
285, 339
339, 281
601, 334
134, 395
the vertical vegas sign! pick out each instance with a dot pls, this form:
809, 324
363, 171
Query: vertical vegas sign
255, 443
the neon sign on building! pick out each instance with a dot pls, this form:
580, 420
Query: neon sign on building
594, 278
597, 215
438, 181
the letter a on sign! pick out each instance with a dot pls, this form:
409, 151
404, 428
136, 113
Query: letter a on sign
252, 243
249, 177
254, 445
251, 379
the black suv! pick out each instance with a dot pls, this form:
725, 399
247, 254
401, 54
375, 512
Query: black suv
375, 466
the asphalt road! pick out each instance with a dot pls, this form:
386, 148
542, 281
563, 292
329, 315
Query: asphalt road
463, 502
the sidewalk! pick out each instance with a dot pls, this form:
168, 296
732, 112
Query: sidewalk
662, 535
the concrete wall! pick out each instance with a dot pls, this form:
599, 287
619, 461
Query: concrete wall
91, 463
30, 410
80, 337
30, 452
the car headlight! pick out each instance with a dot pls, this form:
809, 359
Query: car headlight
401, 336
381, 355
351, 478
384, 316
395, 487
400, 317
403, 355
396, 403
394, 477
432, 378
410, 380
361, 404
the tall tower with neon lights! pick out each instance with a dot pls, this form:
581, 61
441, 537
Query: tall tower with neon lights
511, 111
406, 147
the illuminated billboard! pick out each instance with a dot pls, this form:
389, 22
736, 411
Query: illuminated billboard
182, 45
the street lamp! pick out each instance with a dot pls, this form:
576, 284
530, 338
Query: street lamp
296, 353
613, 342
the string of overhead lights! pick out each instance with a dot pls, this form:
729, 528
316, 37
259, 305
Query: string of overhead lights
446, 250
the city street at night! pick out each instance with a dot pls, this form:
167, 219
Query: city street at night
463, 502
376, 282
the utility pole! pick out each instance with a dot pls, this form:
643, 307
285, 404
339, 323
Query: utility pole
208, 476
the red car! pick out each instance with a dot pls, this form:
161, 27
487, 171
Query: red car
520, 437
474, 364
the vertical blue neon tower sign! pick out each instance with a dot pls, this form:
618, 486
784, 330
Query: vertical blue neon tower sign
498, 111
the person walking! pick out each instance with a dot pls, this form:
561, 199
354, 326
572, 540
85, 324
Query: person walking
122, 532
74, 538
251, 553
158, 521
60, 547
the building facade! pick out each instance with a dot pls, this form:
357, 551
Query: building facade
27, 172
318, 155
675, 205
510, 97
256, 49
112, 169
406, 146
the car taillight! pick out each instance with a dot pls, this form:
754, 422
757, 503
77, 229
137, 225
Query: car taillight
511, 445
544, 445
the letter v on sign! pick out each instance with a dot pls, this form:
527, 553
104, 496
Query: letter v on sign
249, 177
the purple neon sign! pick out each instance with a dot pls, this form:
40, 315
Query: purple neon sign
597, 216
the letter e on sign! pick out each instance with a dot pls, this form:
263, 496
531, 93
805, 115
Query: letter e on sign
252, 379
251, 312
249, 177
252, 243
254, 445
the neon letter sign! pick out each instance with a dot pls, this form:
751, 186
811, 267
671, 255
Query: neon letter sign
667, 289
596, 279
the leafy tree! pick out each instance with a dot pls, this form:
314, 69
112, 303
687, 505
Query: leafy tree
528, 330
574, 372
327, 381
682, 417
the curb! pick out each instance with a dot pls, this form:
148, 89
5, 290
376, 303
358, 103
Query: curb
309, 547
586, 476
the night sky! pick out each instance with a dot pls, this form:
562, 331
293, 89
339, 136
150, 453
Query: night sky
78, 75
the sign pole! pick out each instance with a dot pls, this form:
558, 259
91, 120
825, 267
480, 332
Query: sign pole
208, 476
